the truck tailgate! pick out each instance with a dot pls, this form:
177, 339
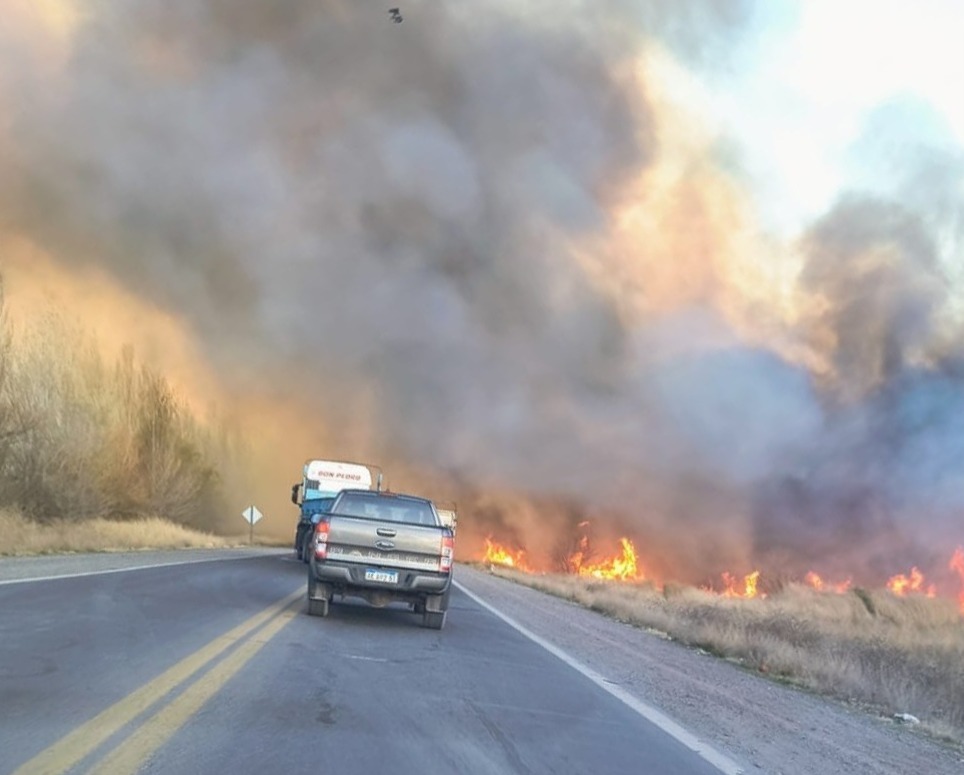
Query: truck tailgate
388, 544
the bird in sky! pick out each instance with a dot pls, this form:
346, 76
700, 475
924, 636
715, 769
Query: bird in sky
396, 15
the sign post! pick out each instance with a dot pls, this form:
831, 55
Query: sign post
251, 515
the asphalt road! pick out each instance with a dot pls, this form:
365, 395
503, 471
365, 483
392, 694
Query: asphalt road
213, 666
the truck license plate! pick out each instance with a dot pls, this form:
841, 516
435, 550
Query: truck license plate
386, 576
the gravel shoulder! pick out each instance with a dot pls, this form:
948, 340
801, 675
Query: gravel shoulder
19, 569
765, 726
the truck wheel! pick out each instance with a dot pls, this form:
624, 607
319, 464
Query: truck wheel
317, 607
305, 554
435, 603
300, 551
318, 598
434, 620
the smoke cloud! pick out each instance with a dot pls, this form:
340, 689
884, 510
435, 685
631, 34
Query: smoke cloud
483, 248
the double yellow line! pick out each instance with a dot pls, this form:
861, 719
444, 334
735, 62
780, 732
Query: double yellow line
158, 728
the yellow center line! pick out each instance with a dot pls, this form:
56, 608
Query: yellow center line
67, 752
128, 757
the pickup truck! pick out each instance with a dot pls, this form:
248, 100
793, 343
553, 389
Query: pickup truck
382, 547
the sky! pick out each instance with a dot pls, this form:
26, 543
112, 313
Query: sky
705, 257
818, 69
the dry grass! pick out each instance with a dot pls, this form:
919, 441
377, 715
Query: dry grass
22, 536
895, 655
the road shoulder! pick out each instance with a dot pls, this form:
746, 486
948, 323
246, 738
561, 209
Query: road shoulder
766, 726
15, 570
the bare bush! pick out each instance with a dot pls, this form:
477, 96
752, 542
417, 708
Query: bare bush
11, 425
83, 438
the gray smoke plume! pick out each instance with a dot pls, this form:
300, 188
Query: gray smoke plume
884, 476
321, 190
376, 217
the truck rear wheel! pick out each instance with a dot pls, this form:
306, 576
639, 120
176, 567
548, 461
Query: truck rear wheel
317, 607
318, 597
436, 603
434, 620
305, 554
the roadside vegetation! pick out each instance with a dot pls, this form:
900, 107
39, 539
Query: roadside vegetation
866, 647
103, 451
22, 536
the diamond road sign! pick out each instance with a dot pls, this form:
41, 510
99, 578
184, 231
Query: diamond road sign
251, 514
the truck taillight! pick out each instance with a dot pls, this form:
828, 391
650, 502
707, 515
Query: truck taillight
321, 540
448, 552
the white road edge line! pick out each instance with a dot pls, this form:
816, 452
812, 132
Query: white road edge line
648, 712
127, 570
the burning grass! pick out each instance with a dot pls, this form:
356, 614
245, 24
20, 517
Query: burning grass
871, 647
22, 536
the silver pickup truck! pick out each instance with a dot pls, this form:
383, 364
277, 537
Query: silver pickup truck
382, 547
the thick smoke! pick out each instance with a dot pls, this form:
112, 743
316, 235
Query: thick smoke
883, 272
408, 235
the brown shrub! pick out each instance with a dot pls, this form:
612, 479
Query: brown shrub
82, 437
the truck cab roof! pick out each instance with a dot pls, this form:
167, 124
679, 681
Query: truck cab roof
388, 506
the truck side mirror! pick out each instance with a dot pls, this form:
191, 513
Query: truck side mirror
294, 493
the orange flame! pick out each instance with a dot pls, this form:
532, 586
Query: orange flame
626, 567
496, 554
745, 588
902, 585
816, 581
957, 564
622, 567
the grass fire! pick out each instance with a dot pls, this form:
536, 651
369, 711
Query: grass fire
626, 566
891, 647
238, 236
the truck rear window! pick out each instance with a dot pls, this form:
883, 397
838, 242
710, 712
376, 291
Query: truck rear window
384, 507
